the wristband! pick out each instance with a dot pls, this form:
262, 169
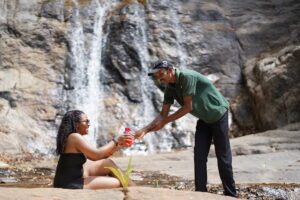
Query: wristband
115, 140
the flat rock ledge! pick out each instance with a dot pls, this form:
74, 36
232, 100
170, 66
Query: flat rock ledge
133, 193
267, 157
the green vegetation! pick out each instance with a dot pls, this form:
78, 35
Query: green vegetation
123, 177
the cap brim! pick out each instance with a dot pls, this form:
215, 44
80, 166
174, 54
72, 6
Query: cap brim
153, 71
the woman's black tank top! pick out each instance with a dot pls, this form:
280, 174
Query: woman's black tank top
69, 171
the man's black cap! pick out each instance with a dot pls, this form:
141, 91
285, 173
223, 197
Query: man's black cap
159, 65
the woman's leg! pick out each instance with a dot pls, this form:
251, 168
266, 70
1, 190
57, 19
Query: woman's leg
94, 169
101, 182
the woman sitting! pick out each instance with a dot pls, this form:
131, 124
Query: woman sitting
72, 170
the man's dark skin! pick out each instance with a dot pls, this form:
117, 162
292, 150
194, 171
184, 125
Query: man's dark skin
166, 76
211, 109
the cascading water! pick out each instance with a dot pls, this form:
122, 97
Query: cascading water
145, 107
86, 51
86, 91
153, 141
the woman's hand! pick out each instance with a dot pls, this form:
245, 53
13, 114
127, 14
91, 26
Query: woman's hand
125, 140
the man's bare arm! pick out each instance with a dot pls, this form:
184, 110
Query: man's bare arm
186, 108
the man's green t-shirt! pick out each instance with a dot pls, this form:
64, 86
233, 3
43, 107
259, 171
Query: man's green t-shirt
209, 104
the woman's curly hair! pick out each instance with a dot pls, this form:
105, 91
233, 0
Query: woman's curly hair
67, 126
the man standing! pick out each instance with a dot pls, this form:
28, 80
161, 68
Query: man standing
198, 96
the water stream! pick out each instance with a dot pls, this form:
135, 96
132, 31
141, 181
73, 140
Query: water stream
87, 39
85, 57
152, 141
85, 60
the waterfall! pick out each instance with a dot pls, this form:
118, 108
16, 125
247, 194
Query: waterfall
86, 91
85, 60
146, 107
152, 141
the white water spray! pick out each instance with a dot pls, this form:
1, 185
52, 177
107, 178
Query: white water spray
86, 53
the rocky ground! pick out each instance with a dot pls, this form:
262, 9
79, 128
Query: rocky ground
134, 193
271, 157
268, 157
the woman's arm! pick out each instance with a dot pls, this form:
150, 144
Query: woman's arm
97, 153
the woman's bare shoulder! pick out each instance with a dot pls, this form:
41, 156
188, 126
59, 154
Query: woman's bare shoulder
75, 137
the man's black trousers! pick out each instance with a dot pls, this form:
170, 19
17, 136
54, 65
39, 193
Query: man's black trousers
217, 131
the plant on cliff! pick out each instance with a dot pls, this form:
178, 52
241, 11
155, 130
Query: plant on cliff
123, 177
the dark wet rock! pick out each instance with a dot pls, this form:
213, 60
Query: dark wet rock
242, 115
53, 10
13, 31
8, 96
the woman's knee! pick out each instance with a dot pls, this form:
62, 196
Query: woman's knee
103, 163
109, 163
116, 182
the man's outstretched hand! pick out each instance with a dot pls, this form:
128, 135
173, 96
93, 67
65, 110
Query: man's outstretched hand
139, 134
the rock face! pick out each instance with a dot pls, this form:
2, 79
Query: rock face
31, 74
250, 50
274, 85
